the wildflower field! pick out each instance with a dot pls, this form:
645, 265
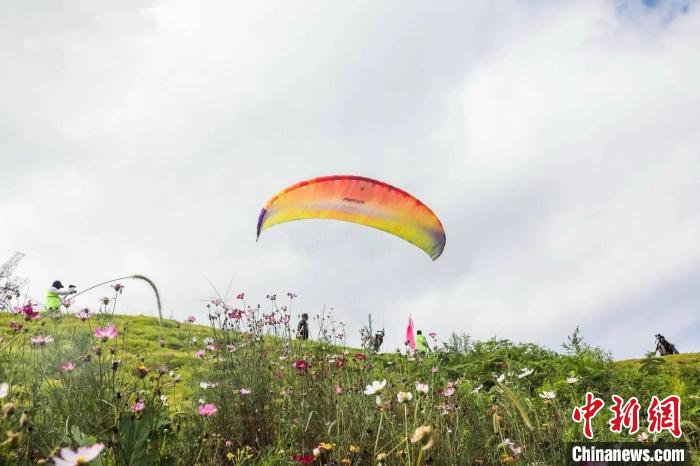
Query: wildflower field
230, 385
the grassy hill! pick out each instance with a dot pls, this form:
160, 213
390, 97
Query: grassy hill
676, 362
278, 399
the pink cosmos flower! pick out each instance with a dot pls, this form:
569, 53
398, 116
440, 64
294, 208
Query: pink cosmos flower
432, 335
422, 387
235, 314
118, 287
138, 407
240, 296
191, 319
301, 365
304, 459
338, 389
200, 353
106, 333
41, 340
84, 314
15, 326
513, 447
446, 408
207, 410
67, 366
82, 456
448, 392
434, 370
291, 295
244, 391
29, 312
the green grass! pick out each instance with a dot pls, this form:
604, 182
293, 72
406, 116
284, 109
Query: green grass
291, 411
671, 363
144, 334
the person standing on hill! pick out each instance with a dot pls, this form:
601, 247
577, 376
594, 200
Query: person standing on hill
54, 293
421, 343
303, 327
378, 340
664, 347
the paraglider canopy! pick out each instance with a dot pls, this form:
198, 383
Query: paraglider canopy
359, 200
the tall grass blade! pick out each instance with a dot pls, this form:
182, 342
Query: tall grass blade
517, 404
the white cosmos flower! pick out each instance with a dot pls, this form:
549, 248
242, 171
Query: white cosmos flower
404, 397
375, 388
422, 387
4, 389
571, 380
41, 340
548, 395
83, 455
477, 389
501, 378
525, 372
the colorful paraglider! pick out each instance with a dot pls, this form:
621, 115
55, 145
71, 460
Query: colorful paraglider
359, 200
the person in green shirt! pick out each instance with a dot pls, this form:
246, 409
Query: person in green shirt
421, 343
53, 295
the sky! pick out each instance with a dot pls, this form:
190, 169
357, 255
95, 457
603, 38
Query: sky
557, 141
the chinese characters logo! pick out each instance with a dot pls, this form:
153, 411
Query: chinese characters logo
661, 414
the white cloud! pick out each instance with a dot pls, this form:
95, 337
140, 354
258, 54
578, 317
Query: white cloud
556, 142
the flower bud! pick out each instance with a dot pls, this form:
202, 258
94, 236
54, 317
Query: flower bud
7, 409
12, 437
424, 436
141, 371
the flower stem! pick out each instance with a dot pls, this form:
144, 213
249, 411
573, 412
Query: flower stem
379, 429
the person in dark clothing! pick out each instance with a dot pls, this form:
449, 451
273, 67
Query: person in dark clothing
303, 327
378, 340
664, 347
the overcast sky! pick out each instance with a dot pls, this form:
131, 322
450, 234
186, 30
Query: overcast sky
557, 141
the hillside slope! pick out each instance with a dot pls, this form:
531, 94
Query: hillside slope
182, 393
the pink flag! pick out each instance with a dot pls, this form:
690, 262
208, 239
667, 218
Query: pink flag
409, 334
